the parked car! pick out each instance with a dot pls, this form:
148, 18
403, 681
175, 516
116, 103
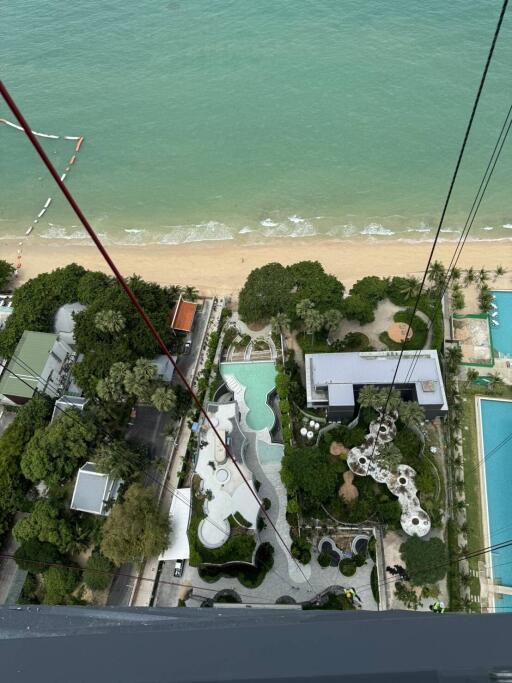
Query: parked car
187, 348
178, 568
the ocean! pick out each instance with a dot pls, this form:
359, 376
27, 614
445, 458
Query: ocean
253, 119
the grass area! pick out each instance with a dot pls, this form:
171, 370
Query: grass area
238, 547
249, 576
419, 332
316, 344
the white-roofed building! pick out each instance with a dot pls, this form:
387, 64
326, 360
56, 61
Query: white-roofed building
179, 515
64, 323
333, 380
93, 490
164, 367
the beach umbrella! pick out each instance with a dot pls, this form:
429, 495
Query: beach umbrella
311, 423
303, 431
310, 435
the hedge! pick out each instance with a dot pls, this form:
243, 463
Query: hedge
249, 576
348, 567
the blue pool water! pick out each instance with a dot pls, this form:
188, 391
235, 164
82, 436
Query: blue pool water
496, 427
258, 378
502, 334
269, 453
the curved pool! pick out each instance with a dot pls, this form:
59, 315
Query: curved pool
258, 378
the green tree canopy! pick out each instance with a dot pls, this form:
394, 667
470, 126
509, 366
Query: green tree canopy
371, 288
30, 417
425, 560
356, 307
119, 459
47, 523
37, 557
135, 528
98, 573
6, 273
54, 452
311, 473
109, 321
59, 584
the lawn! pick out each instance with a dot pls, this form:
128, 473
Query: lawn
419, 332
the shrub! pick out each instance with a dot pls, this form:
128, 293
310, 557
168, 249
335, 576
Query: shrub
58, 585
266, 503
301, 550
36, 556
374, 581
324, 559
249, 576
372, 543
360, 560
348, 567
98, 573
426, 561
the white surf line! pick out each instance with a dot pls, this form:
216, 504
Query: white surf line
74, 138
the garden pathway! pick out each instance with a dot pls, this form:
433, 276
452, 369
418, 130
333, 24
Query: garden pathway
383, 319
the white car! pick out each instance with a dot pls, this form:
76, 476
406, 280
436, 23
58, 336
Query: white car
179, 567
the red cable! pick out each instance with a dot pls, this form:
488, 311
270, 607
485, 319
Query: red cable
129, 293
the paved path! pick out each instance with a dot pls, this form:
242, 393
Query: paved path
430, 328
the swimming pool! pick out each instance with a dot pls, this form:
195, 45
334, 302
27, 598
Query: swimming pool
496, 420
269, 453
502, 333
258, 378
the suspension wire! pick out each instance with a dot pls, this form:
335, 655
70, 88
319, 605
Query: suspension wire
139, 308
441, 219
165, 485
505, 129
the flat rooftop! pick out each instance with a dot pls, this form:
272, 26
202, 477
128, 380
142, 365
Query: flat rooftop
28, 361
336, 372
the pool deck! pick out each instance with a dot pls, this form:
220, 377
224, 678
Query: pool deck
489, 588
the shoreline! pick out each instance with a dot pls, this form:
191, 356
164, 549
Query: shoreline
221, 267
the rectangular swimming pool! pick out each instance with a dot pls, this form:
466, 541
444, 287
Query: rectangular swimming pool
502, 333
496, 445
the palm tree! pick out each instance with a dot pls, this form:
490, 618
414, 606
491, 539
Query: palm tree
411, 413
456, 273
369, 396
471, 375
389, 456
112, 388
109, 321
190, 293
454, 357
482, 276
499, 271
144, 369
458, 300
332, 319
139, 381
469, 278
496, 381
436, 274
163, 399
409, 289
303, 307
393, 399
280, 322
485, 299
313, 321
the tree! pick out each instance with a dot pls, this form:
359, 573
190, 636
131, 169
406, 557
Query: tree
388, 456
135, 528
163, 399
311, 473
112, 389
54, 453
91, 286
436, 274
409, 288
303, 307
454, 357
118, 459
425, 560
58, 585
485, 299
469, 278
280, 322
190, 293
499, 271
98, 573
371, 288
110, 321
458, 300
471, 375
390, 398
496, 381
456, 273
370, 397
482, 276
332, 319
411, 413
313, 321
37, 557
47, 523
356, 307
266, 292
6, 273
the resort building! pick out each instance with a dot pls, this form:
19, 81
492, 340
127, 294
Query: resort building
182, 315
65, 402
64, 322
179, 515
333, 380
227, 494
164, 368
41, 362
93, 490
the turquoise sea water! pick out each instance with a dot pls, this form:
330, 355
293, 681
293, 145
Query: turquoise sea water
502, 333
258, 378
217, 119
496, 426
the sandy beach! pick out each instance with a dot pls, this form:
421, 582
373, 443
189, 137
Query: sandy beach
221, 267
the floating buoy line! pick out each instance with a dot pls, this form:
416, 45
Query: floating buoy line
77, 139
